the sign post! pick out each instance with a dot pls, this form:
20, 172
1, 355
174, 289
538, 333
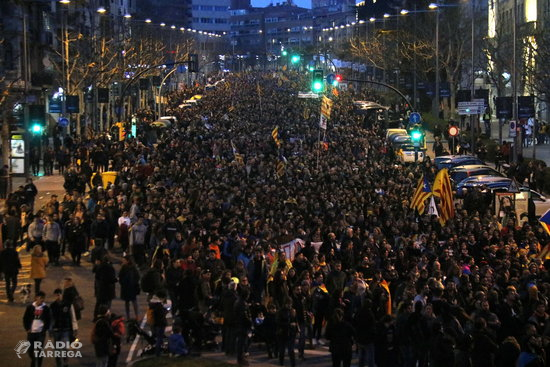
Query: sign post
414, 118
512, 132
453, 132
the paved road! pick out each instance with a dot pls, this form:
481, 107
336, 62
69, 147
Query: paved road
11, 325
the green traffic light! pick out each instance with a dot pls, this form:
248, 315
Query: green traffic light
416, 135
36, 129
285, 53
295, 59
317, 86
311, 68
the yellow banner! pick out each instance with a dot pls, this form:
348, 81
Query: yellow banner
326, 106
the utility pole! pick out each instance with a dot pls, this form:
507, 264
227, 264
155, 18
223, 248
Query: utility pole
515, 82
473, 81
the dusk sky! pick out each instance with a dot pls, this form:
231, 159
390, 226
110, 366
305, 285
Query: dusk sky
262, 3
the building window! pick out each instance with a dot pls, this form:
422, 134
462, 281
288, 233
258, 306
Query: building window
220, 8
196, 7
220, 21
207, 7
207, 20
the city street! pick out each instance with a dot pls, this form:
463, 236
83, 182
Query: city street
11, 324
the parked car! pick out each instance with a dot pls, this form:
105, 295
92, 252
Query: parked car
399, 140
450, 161
406, 153
392, 132
487, 182
459, 173
502, 184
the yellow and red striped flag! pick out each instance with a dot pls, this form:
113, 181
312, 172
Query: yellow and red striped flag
385, 285
275, 135
443, 190
421, 193
545, 221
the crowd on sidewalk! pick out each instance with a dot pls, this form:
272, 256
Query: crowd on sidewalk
293, 243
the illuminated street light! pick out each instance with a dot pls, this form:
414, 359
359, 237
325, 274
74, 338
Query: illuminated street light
127, 15
65, 1
386, 15
173, 26
101, 10
163, 24
433, 6
372, 19
147, 20
404, 12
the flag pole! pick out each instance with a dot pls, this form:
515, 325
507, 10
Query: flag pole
318, 146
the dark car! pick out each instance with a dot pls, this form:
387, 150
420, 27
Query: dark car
485, 182
459, 173
450, 161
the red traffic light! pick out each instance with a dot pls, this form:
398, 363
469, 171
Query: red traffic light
338, 78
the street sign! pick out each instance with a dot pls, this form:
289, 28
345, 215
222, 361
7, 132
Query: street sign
414, 118
308, 95
54, 105
453, 131
63, 121
526, 107
475, 107
512, 131
504, 107
323, 122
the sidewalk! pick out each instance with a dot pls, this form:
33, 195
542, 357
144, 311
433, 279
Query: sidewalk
541, 151
46, 186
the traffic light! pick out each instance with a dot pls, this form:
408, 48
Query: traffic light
317, 82
284, 52
37, 119
295, 59
193, 63
36, 128
311, 68
417, 135
334, 79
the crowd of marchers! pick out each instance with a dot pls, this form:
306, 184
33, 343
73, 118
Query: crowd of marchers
292, 243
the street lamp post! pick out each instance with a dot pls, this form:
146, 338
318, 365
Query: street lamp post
434, 6
517, 141
472, 71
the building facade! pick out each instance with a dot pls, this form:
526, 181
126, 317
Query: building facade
211, 16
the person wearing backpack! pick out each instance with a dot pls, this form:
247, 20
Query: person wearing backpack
105, 280
119, 329
64, 324
129, 285
156, 319
287, 329
102, 336
153, 279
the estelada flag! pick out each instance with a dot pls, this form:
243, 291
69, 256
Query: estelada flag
422, 192
443, 190
545, 221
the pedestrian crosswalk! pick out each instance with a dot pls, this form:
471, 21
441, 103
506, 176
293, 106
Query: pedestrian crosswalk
23, 279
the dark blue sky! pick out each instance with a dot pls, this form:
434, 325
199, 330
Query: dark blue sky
262, 3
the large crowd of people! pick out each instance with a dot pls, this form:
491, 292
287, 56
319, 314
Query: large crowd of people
300, 242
